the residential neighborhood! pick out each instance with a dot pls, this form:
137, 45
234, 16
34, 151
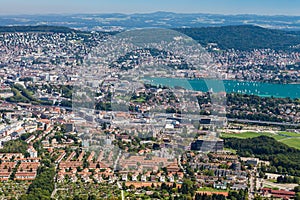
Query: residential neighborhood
92, 124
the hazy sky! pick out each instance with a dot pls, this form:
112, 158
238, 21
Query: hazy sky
263, 7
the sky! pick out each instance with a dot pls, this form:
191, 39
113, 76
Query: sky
261, 7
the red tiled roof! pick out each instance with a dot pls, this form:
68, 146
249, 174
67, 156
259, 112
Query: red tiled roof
282, 192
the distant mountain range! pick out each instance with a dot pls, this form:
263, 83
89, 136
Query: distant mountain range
116, 21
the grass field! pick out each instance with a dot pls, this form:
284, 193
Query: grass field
209, 189
292, 142
289, 134
230, 150
252, 135
288, 138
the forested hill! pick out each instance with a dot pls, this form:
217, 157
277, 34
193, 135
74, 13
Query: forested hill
285, 159
52, 29
245, 37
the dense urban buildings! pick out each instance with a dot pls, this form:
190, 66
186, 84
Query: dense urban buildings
75, 128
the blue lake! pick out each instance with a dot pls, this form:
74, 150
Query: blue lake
229, 86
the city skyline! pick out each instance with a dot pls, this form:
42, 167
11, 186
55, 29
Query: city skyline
267, 7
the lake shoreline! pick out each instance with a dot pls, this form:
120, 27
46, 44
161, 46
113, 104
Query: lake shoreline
262, 89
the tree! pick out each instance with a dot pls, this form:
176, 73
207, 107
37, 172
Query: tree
268, 148
92, 197
261, 174
155, 195
43, 185
297, 189
184, 188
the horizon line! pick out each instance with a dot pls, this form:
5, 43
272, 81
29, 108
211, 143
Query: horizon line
144, 13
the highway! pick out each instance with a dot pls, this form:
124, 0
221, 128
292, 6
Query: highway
263, 122
194, 117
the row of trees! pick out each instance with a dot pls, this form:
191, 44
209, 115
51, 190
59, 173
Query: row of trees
209, 197
288, 179
232, 195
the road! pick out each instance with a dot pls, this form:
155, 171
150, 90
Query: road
179, 163
118, 183
251, 183
117, 160
55, 189
122, 191
280, 186
192, 116
263, 122
252, 189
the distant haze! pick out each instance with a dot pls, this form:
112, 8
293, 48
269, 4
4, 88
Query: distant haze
261, 7
119, 22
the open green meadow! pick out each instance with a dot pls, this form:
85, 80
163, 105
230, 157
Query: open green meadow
288, 138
